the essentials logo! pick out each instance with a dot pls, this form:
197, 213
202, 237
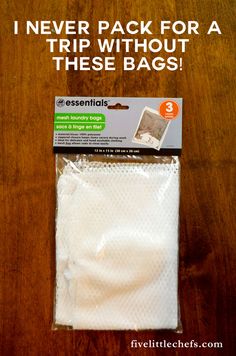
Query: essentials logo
90, 102
60, 102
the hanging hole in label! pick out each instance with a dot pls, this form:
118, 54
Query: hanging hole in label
118, 106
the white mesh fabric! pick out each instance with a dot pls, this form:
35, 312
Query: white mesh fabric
117, 246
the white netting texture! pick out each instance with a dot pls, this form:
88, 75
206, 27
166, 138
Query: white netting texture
117, 246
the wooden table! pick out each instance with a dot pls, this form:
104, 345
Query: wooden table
29, 83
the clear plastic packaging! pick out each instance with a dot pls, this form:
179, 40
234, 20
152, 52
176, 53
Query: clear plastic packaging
117, 242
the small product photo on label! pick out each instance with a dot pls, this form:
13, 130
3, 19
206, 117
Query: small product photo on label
151, 130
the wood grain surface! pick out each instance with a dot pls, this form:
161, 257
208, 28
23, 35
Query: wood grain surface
28, 84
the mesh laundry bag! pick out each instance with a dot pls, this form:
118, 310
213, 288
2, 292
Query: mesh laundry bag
117, 244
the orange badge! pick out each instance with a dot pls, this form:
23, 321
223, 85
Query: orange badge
169, 109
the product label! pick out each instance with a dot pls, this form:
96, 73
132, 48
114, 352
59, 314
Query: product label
117, 125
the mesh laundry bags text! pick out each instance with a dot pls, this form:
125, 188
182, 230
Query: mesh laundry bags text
117, 242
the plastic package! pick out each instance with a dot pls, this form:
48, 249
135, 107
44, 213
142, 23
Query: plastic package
117, 242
